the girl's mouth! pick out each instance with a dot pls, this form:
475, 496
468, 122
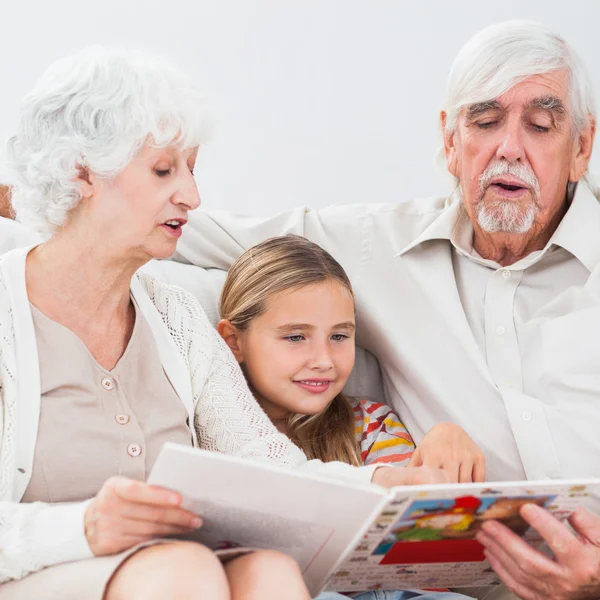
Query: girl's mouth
314, 386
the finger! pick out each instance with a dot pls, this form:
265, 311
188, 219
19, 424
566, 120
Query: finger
561, 541
508, 562
529, 559
139, 492
520, 590
452, 469
479, 469
415, 459
167, 516
586, 524
465, 472
150, 530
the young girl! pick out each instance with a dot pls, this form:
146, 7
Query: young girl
287, 313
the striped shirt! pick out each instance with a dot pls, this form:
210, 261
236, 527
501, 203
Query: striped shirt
381, 436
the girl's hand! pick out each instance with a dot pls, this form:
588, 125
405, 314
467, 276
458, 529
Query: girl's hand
448, 447
126, 512
389, 477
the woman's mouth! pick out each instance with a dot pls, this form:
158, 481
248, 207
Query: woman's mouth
174, 226
314, 386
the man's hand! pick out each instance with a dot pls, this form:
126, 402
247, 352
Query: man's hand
126, 512
447, 446
574, 574
388, 477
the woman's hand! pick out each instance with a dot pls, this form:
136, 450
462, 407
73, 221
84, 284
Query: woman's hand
126, 512
447, 446
573, 574
389, 477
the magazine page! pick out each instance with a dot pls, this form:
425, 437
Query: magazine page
246, 504
425, 536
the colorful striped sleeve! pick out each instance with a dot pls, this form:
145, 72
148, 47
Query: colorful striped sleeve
380, 434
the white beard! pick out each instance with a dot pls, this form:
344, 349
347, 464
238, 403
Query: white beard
505, 216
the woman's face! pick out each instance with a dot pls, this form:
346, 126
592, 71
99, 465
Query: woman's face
142, 211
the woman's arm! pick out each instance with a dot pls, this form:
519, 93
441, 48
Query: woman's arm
38, 535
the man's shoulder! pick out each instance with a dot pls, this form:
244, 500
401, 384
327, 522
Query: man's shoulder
415, 207
398, 224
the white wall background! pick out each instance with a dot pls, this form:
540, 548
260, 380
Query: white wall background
314, 101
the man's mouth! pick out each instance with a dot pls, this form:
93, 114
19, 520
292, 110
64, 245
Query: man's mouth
509, 185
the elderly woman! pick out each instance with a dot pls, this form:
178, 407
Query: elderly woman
100, 365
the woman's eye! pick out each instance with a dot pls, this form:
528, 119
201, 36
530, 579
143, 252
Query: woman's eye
339, 337
294, 338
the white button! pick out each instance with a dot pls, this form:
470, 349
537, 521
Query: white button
500, 330
122, 419
526, 416
134, 449
108, 383
506, 274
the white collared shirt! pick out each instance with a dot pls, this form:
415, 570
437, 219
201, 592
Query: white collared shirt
510, 354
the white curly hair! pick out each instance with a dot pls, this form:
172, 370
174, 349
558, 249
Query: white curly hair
95, 109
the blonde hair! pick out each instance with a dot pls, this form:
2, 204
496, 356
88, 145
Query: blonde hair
283, 264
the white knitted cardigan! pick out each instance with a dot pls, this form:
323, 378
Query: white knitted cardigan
203, 372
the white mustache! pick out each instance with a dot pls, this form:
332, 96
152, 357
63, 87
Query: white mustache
518, 170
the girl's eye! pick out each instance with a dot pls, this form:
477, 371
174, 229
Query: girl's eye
294, 338
162, 172
339, 337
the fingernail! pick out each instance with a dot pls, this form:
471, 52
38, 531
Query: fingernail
174, 499
531, 510
196, 522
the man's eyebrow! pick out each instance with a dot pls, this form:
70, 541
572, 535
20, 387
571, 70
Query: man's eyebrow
552, 103
479, 108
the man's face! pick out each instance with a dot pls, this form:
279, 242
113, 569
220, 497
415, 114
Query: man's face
515, 154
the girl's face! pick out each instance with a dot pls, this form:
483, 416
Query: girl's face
299, 353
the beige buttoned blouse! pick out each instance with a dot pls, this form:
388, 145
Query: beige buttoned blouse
96, 423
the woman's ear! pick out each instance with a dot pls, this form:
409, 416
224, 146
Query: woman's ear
85, 181
232, 337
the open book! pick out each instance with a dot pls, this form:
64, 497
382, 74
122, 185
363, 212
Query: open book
350, 537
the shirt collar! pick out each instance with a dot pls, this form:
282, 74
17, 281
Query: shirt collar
578, 232
441, 229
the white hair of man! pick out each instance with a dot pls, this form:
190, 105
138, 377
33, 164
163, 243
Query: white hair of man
498, 57
95, 110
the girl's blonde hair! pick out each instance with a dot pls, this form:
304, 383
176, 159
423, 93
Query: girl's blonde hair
282, 264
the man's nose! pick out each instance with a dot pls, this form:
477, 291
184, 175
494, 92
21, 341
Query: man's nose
511, 145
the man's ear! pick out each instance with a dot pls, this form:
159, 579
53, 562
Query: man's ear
583, 151
86, 181
449, 146
232, 337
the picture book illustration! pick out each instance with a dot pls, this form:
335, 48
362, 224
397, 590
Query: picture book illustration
457, 518
428, 539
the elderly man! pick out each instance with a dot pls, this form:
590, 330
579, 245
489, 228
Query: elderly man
483, 308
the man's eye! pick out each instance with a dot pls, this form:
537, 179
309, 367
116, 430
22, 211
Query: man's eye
540, 128
486, 124
294, 338
339, 337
